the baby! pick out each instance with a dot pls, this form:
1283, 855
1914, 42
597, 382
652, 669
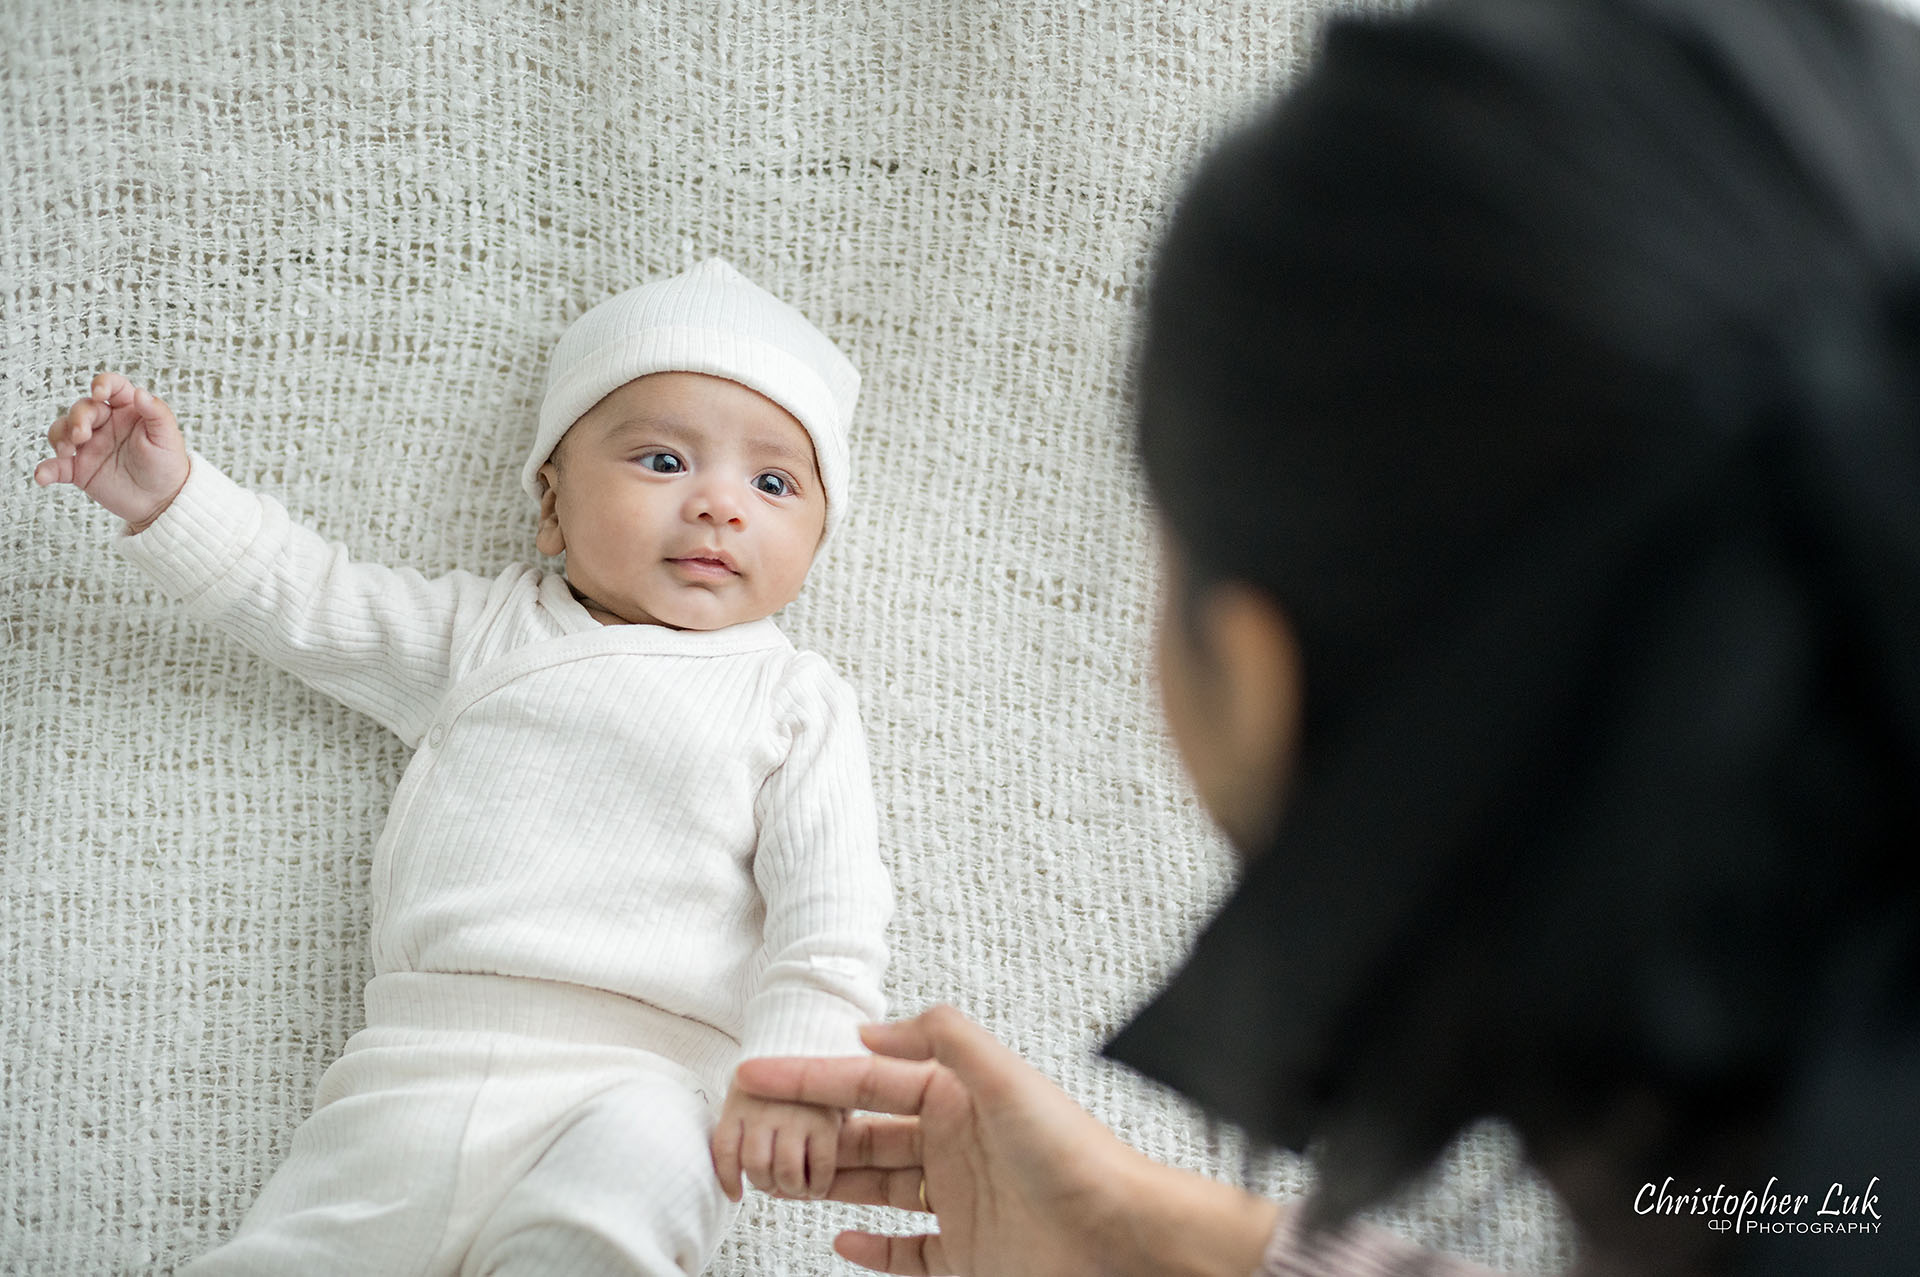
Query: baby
636, 842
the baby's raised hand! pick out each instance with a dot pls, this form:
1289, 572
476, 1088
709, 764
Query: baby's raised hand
789, 1150
121, 446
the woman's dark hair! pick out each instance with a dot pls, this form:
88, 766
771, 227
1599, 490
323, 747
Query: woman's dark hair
1555, 366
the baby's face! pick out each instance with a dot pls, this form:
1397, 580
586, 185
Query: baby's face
684, 500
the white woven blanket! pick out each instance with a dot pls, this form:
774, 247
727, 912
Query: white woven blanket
340, 238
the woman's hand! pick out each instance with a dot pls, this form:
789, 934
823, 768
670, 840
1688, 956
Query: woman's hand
1022, 1179
121, 446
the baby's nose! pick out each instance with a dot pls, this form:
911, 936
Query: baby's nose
717, 502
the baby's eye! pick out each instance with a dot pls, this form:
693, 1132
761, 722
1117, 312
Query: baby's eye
662, 463
774, 485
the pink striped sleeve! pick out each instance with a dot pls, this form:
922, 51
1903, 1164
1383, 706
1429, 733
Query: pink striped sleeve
1355, 1251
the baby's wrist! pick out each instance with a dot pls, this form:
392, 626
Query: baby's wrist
136, 526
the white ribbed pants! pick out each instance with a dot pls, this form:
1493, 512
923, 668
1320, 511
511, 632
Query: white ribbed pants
483, 1125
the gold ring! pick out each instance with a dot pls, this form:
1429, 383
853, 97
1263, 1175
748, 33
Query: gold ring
925, 1205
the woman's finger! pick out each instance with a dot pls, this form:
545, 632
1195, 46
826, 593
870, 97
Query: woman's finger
850, 1082
977, 1058
899, 1189
879, 1142
920, 1256
859, 1188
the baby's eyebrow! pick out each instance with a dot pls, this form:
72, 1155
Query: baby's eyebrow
647, 424
780, 450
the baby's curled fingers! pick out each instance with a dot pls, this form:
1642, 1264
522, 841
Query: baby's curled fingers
79, 424
823, 1152
789, 1167
71, 428
106, 385
726, 1157
756, 1155
54, 469
873, 1161
85, 417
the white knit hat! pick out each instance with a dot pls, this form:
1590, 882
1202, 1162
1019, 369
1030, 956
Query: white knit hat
714, 320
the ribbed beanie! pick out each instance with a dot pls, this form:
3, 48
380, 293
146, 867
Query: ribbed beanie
713, 320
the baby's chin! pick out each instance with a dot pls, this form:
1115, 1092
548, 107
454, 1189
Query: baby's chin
679, 615
696, 610
684, 608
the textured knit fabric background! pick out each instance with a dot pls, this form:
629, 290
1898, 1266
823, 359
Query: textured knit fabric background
340, 239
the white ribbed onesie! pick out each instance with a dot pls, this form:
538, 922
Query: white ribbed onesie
621, 858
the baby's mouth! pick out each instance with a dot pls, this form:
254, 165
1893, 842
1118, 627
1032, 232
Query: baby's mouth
701, 565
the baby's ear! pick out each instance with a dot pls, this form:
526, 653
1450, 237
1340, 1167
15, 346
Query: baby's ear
548, 538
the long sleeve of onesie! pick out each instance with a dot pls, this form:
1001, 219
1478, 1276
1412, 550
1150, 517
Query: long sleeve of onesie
819, 871
376, 638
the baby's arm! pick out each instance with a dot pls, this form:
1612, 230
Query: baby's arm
788, 1149
121, 446
818, 867
828, 900
377, 639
